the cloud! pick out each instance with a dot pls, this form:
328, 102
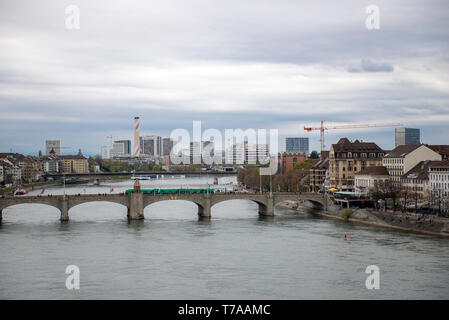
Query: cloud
257, 63
367, 65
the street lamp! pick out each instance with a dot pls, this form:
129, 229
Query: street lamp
271, 187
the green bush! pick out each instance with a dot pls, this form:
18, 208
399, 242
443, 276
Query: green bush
346, 213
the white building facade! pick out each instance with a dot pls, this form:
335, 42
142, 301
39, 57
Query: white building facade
439, 185
403, 158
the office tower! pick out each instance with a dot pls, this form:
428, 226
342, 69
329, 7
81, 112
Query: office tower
151, 145
167, 145
54, 145
295, 145
118, 149
126, 146
137, 136
407, 136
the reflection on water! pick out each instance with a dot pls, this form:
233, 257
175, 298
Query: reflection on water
173, 254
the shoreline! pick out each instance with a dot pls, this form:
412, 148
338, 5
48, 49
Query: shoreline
375, 224
385, 219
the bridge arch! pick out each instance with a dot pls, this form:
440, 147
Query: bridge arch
104, 211
5, 207
262, 206
317, 204
178, 204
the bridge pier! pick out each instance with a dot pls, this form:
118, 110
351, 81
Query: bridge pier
204, 209
135, 207
64, 208
268, 208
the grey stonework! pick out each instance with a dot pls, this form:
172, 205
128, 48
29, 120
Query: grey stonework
137, 202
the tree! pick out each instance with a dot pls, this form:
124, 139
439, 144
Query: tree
305, 165
314, 155
384, 190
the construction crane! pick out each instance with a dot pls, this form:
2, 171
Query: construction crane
347, 126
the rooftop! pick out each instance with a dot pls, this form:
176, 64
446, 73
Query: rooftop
322, 164
420, 171
402, 151
344, 145
444, 164
71, 157
375, 171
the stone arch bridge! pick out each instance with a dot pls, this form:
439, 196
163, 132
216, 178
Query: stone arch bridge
136, 202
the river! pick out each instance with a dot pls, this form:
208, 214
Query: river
234, 255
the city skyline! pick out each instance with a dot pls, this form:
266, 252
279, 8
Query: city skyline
314, 142
305, 63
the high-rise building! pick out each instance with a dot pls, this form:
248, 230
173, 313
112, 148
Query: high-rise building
197, 149
106, 152
54, 145
118, 149
137, 136
151, 145
243, 152
297, 145
167, 145
406, 136
126, 146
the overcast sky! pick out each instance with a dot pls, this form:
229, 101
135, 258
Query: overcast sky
231, 64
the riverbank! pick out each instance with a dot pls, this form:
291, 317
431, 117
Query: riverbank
29, 187
432, 225
405, 221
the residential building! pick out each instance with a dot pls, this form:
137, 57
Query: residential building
442, 149
439, 185
31, 170
406, 136
366, 179
51, 164
54, 145
297, 145
74, 164
318, 174
347, 158
402, 159
416, 181
12, 173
